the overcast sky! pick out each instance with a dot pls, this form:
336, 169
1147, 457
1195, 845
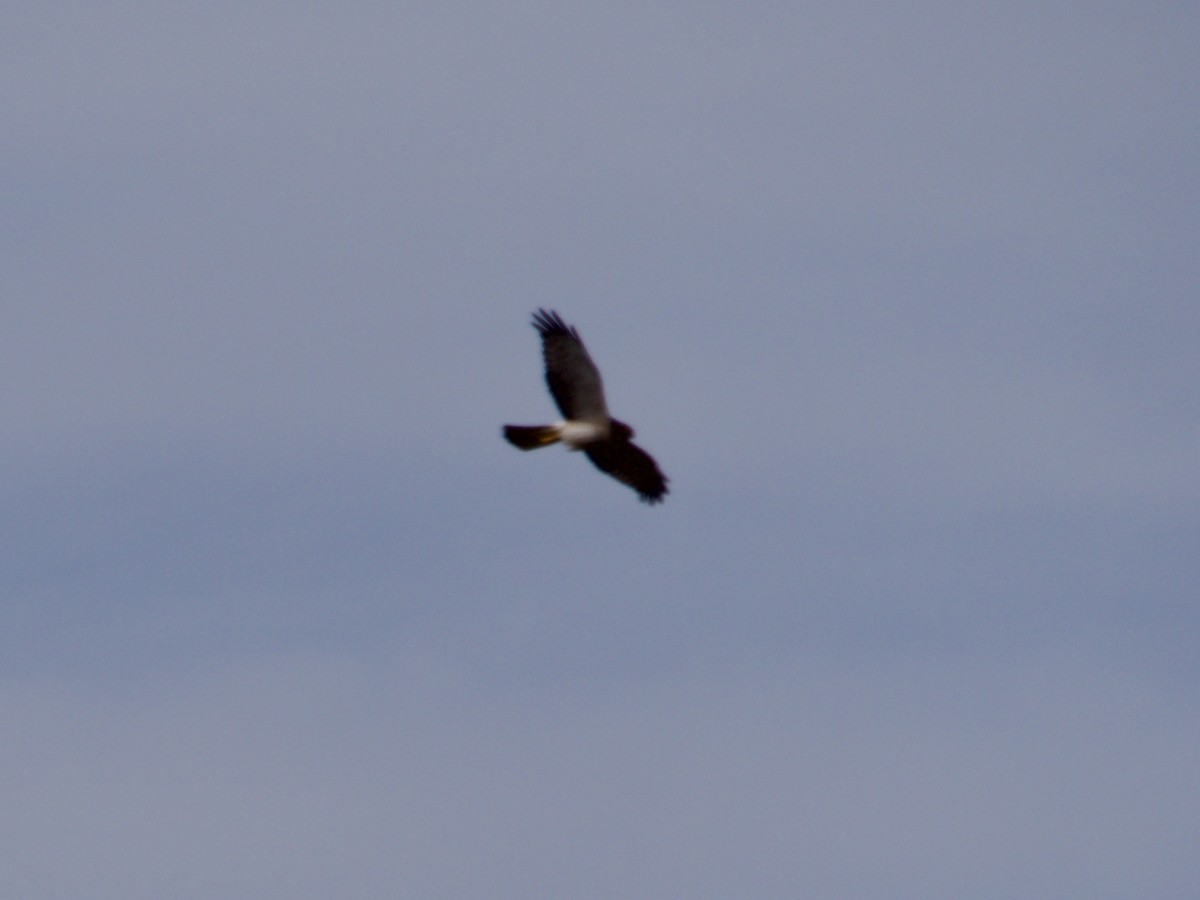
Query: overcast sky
903, 298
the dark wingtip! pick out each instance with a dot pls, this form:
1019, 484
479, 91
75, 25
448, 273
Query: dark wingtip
551, 323
658, 495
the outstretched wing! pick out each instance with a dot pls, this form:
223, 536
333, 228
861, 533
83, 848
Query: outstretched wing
572, 377
630, 464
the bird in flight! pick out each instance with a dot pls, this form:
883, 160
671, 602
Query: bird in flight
575, 385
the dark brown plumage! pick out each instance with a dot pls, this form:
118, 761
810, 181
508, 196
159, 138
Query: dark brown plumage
578, 391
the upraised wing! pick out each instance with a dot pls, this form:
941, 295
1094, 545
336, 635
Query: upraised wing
572, 377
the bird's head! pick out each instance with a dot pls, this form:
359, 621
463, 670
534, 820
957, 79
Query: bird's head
620, 431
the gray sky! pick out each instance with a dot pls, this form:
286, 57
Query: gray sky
903, 299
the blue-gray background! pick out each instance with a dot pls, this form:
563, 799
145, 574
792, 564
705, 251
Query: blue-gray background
903, 298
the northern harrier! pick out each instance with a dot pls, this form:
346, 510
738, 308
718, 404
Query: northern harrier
576, 387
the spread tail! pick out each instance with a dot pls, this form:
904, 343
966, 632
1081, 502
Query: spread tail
530, 437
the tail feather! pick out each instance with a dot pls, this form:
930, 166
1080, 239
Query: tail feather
530, 437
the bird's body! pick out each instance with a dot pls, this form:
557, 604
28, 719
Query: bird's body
578, 391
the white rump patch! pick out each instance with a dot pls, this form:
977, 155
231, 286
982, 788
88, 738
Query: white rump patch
576, 434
